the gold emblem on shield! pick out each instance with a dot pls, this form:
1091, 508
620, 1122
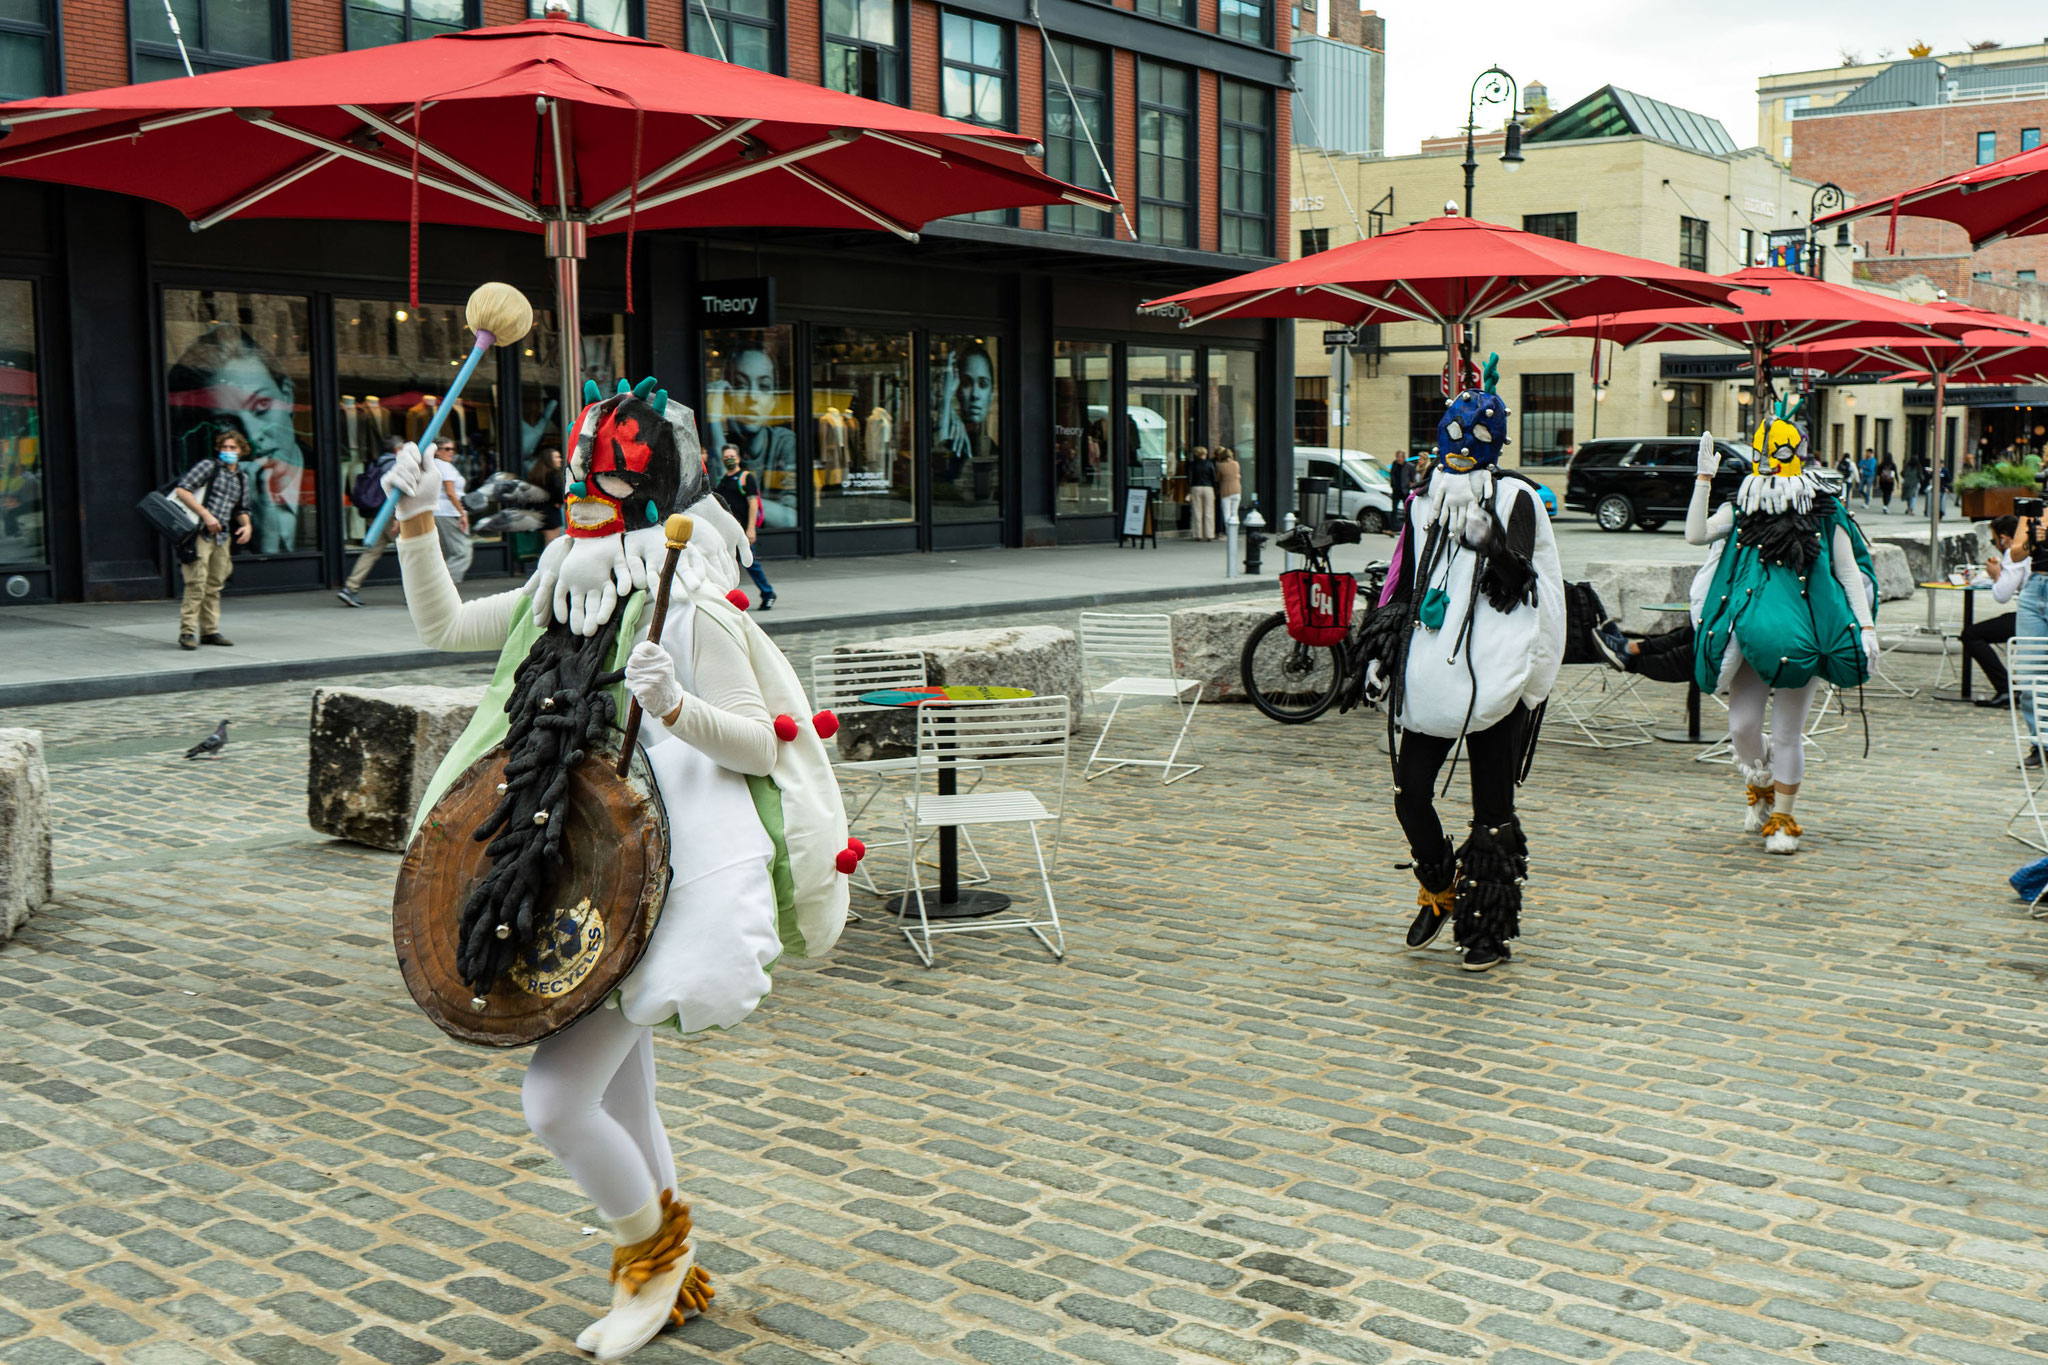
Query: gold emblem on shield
569, 949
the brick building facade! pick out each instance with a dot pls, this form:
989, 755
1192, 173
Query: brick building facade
107, 299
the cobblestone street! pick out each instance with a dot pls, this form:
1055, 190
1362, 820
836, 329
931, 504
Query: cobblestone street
1721, 1108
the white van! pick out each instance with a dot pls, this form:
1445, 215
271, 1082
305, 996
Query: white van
1358, 487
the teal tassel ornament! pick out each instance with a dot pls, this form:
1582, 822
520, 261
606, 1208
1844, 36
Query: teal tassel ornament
1436, 604
653, 512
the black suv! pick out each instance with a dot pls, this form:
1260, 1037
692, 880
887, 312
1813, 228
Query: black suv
1645, 482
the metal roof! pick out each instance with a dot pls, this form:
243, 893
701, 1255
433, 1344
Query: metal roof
1611, 111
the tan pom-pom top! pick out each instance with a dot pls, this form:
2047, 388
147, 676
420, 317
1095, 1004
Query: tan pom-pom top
500, 310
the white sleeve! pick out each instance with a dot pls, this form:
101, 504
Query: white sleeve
442, 618
1701, 529
1854, 585
2010, 578
725, 718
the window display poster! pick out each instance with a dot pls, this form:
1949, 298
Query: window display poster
966, 423
750, 403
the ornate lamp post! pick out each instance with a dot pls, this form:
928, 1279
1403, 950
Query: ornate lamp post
1492, 86
1826, 199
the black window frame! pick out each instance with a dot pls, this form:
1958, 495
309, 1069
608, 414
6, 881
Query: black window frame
1006, 74
636, 15
2025, 133
1261, 26
1425, 410
1693, 238
1180, 12
1191, 215
472, 17
1227, 216
203, 58
1315, 241
900, 50
1071, 220
1542, 224
50, 30
1687, 397
1553, 456
776, 25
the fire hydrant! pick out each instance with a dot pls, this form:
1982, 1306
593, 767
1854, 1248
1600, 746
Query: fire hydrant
1254, 538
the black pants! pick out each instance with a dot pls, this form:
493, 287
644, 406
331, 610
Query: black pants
1665, 658
1981, 642
1494, 757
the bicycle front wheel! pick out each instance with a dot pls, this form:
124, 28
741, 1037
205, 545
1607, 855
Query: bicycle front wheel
1289, 681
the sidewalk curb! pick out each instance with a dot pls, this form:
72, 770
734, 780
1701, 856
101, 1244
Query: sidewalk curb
296, 670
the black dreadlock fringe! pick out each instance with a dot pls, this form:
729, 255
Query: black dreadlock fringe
1436, 876
561, 707
1508, 580
1491, 867
1790, 537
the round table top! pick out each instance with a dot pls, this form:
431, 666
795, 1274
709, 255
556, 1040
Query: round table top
1670, 606
1945, 586
918, 696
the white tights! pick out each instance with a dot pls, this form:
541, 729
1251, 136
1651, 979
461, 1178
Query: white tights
589, 1098
1747, 696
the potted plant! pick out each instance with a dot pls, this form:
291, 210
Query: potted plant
1989, 492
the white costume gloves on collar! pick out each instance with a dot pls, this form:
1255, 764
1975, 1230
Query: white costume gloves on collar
1768, 493
414, 480
1460, 502
580, 581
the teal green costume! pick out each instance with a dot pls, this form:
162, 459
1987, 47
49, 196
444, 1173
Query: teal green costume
1791, 627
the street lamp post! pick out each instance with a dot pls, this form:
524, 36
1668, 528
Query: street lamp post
1826, 199
1492, 86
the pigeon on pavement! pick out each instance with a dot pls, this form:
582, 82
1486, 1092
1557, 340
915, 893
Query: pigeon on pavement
212, 744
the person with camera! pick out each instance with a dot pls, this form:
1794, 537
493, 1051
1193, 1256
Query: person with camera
2030, 614
218, 491
1981, 638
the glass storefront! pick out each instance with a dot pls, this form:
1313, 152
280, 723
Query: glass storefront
1083, 475
966, 466
543, 417
21, 429
242, 361
750, 402
863, 469
392, 365
1159, 419
1232, 401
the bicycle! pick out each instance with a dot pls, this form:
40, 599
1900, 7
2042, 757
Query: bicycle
1292, 682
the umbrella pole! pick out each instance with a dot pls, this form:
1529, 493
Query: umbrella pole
565, 244
1933, 490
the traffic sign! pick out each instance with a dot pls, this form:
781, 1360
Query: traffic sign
1340, 336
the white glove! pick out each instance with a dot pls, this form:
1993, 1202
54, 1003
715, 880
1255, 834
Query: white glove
651, 678
1375, 682
1709, 463
1870, 650
579, 582
414, 481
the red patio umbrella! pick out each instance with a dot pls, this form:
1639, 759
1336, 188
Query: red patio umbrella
546, 125
1450, 271
2000, 199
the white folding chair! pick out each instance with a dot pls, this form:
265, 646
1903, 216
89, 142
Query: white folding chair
1013, 739
2026, 661
1600, 707
1139, 649
1888, 644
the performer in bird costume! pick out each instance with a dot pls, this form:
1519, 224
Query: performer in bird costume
1466, 643
748, 796
1791, 604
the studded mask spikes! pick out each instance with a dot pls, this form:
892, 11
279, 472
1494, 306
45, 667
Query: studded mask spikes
636, 459
1777, 449
1472, 431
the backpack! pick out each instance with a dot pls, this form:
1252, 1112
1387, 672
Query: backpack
367, 492
799, 803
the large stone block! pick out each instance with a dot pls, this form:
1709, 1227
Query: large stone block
1208, 644
1957, 549
1628, 587
374, 750
25, 878
1894, 576
1045, 660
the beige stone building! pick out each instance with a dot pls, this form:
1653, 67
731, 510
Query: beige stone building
1616, 171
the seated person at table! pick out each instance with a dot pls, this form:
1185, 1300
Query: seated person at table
1660, 658
1982, 638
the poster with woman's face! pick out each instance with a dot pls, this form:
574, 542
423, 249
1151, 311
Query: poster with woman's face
966, 427
750, 402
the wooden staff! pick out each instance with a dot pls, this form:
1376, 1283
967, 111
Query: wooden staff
675, 532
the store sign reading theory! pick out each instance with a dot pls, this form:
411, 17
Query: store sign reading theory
747, 302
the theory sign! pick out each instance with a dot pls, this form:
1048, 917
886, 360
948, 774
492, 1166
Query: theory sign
736, 303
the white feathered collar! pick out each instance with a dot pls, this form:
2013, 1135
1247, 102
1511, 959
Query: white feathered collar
1772, 493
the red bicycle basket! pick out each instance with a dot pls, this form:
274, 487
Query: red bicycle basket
1318, 605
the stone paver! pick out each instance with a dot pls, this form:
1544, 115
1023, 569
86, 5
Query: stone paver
1719, 1110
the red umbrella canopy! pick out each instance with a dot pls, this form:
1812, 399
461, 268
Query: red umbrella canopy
1797, 310
1449, 270
1979, 357
2003, 198
494, 123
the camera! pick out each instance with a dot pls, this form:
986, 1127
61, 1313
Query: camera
2028, 510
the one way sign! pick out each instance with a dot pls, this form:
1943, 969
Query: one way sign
1339, 336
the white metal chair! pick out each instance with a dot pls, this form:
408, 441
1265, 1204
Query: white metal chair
1601, 707
2026, 661
1139, 648
1011, 738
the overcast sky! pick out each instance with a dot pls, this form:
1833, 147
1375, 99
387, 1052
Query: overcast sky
1702, 56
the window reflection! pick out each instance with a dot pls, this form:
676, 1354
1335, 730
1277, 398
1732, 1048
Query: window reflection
860, 401
966, 429
1082, 472
21, 429
750, 402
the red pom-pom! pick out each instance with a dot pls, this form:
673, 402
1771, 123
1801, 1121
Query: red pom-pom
846, 862
785, 728
737, 598
857, 848
826, 724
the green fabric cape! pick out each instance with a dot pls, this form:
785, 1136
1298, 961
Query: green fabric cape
1790, 628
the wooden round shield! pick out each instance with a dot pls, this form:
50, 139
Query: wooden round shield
614, 881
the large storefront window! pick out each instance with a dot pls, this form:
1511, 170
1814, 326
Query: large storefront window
21, 429
1082, 473
750, 402
1547, 418
241, 362
862, 468
966, 423
543, 417
392, 364
1232, 399
1159, 428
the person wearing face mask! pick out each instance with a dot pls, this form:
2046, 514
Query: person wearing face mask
218, 491
740, 491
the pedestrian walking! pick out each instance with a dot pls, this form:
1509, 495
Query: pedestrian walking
545, 473
367, 496
1229, 485
740, 491
1887, 481
1866, 475
218, 491
1915, 475
451, 520
1202, 494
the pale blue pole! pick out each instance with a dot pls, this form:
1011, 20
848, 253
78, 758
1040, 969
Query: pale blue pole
484, 342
